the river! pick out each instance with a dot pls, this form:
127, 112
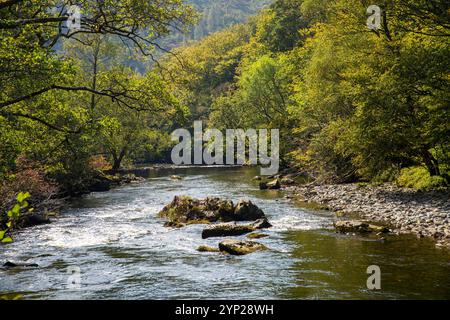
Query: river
123, 251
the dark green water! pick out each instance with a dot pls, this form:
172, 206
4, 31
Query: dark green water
124, 252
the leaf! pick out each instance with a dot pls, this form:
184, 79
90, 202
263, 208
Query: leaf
2, 234
7, 240
9, 224
16, 209
21, 197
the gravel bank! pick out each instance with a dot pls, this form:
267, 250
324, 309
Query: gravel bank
426, 214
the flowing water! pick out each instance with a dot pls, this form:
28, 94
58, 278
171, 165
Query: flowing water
123, 251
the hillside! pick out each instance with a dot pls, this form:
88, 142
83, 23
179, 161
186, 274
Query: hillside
215, 16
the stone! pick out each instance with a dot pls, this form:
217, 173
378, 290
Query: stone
10, 264
257, 235
187, 210
245, 210
240, 247
225, 230
261, 224
274, 185
207, 249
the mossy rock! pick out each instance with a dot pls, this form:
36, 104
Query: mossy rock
188, 210
243, 247
207, 249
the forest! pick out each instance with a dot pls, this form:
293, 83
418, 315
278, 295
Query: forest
352, 104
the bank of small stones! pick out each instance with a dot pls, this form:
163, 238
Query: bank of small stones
425, 214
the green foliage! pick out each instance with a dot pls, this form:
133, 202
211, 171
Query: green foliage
352, 104
60, 90
13, 215
419, 178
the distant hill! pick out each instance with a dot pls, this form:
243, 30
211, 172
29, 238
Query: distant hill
216, 15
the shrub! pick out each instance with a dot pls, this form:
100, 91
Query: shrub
419, 178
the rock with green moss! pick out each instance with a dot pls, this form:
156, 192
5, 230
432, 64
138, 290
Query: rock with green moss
358, 227
240, 247
207, 249
188, 210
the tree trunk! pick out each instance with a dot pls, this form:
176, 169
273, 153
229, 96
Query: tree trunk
431, 163
117, 160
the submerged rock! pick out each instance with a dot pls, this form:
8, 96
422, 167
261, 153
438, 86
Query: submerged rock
225, 230
236, 247
30, 220
10, 264
189, 210
257, 235
358, 226
175, 177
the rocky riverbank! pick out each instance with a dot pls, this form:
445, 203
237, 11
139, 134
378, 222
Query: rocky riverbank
426, 214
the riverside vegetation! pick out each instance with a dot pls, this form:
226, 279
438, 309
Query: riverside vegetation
352, 104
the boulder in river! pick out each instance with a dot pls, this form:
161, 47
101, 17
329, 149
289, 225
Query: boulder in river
263, 185
359, 227
175, 177
188, 210
240, 247
245, 210
226, 229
